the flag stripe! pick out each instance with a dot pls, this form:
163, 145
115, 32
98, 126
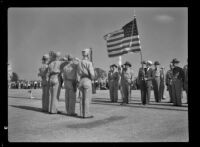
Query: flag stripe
123, 45
122, 42
123, 39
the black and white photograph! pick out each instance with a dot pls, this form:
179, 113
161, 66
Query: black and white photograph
97, 74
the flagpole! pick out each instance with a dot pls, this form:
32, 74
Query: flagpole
140, 44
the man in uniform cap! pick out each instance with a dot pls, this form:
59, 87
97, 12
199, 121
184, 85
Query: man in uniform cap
58, 54
54, 71
113, 79
145, 77
70, 84
85, 76
126, 81
168, 82
177, 83
156, 81
162, 82
141, 81
43, 73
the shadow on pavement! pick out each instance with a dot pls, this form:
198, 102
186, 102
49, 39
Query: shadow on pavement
29, 108
35, 98
139, 105
96, 123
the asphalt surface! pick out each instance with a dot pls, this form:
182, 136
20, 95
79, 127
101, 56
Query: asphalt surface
156, 122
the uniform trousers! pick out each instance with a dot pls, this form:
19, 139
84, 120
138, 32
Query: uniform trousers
145, 88
54, 84
126, 87
70, 97
45, 97
113, 88
156, 88
162, 89
177, 86
170, 93
85, 87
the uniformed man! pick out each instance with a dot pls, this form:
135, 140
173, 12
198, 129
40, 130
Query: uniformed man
141, 82
43, 73
177, 83
85, 75
168, 82
54, 70
70, 84
145, 77
113, 78
156, 82
126, 81
185, 68
162, 83
60, 80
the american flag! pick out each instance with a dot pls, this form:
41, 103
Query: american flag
124, 40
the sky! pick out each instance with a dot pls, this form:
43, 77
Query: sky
33, 32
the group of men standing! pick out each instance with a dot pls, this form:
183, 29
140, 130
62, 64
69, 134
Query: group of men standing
176, 79
122, 77
75, 73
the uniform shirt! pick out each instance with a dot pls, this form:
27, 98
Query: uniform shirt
54, 67
168, 79
156, 73
43, 71
113, 76
85, 69
162, 75
178, 73
70, 71
127, 75
148, 73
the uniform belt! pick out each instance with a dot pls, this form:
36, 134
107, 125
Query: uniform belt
54, 73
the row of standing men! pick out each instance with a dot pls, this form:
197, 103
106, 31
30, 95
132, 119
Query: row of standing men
76, 74
176, 80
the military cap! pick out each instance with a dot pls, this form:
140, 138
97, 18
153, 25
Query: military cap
156, 63
45, 56
149, 62
58, 54
127, 63
69, 57
86, 51
175, 61
143, 62
114, 65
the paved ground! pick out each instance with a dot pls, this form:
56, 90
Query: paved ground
111, 123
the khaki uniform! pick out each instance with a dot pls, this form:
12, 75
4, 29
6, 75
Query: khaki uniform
54, 70
43, 73
145, 85
168, 82
185, 68
156, 84
113, 79
177, 85
85, 74
70, 80
162, 84
126, 80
